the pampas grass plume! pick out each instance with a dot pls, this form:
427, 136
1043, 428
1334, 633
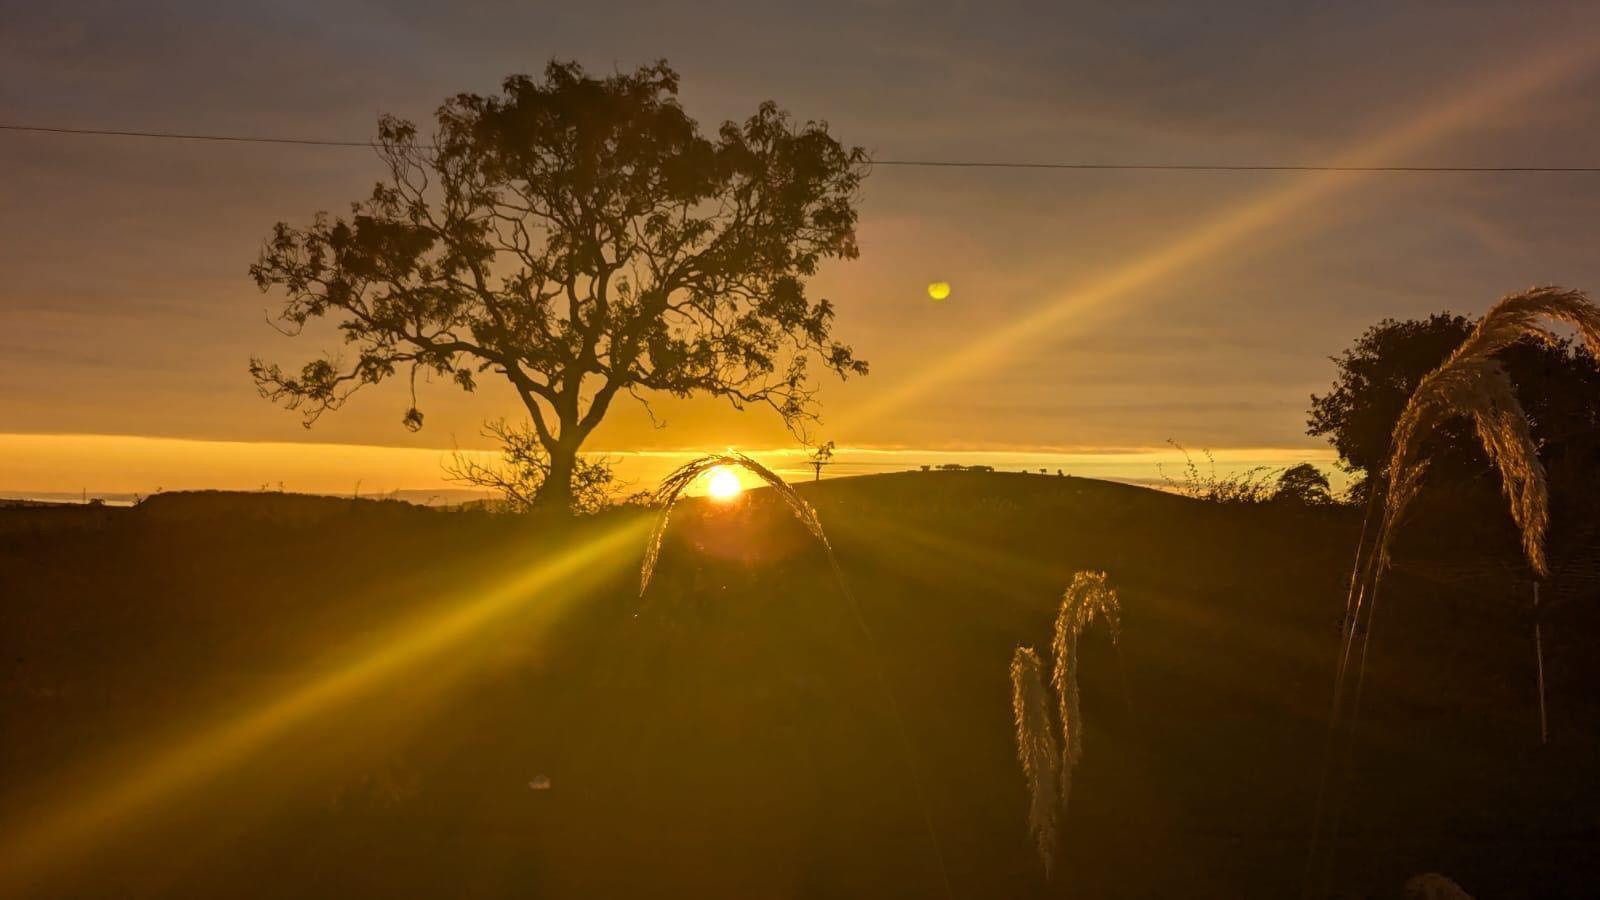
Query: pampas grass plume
673, 486
1088, 597
1471, 383
1036, 749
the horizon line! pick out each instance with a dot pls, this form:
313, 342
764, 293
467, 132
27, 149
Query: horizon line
711, 447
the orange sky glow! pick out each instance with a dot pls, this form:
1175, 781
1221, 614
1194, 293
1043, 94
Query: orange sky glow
42, 465
1091, 316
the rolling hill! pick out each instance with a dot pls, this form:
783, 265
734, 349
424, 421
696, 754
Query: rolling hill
260, 695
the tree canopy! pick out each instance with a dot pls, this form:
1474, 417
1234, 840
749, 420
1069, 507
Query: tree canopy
581, 238
1556, 384
1304, 485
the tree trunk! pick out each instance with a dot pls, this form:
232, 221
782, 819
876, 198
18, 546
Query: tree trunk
556, 492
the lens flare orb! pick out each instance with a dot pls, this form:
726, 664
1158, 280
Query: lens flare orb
939, 290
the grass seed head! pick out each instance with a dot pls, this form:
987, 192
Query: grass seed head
674, 485
1472, 384
1036, 749
1088, 597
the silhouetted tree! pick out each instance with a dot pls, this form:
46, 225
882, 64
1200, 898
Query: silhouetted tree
821, 458
1557, 385
1303, 484
579, 237
524, 467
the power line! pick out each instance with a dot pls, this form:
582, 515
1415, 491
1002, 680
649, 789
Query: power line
1205, 167
179, 136
901, 163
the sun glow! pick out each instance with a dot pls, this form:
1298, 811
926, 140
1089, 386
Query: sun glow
127, 792
723, 484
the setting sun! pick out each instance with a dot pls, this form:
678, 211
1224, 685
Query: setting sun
722, 483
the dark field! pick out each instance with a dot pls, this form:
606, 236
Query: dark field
264, 695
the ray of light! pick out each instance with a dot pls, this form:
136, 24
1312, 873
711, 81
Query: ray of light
1534, 72
33, 846
963, 557
953, 560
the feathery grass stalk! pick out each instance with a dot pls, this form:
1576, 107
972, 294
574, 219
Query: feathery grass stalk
1089, 596
667, 496
1477, 388
672, 488
1036, 749
1471, 384
1433, 886
1046, 764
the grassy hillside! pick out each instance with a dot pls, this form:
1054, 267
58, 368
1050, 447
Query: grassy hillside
340, 698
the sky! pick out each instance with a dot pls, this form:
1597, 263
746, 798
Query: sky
1093, 315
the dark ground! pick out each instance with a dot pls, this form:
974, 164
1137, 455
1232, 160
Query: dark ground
728, 736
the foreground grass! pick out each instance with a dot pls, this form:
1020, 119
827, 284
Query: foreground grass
725, 738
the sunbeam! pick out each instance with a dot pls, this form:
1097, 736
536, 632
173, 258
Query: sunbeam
35, 845
1001, 345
